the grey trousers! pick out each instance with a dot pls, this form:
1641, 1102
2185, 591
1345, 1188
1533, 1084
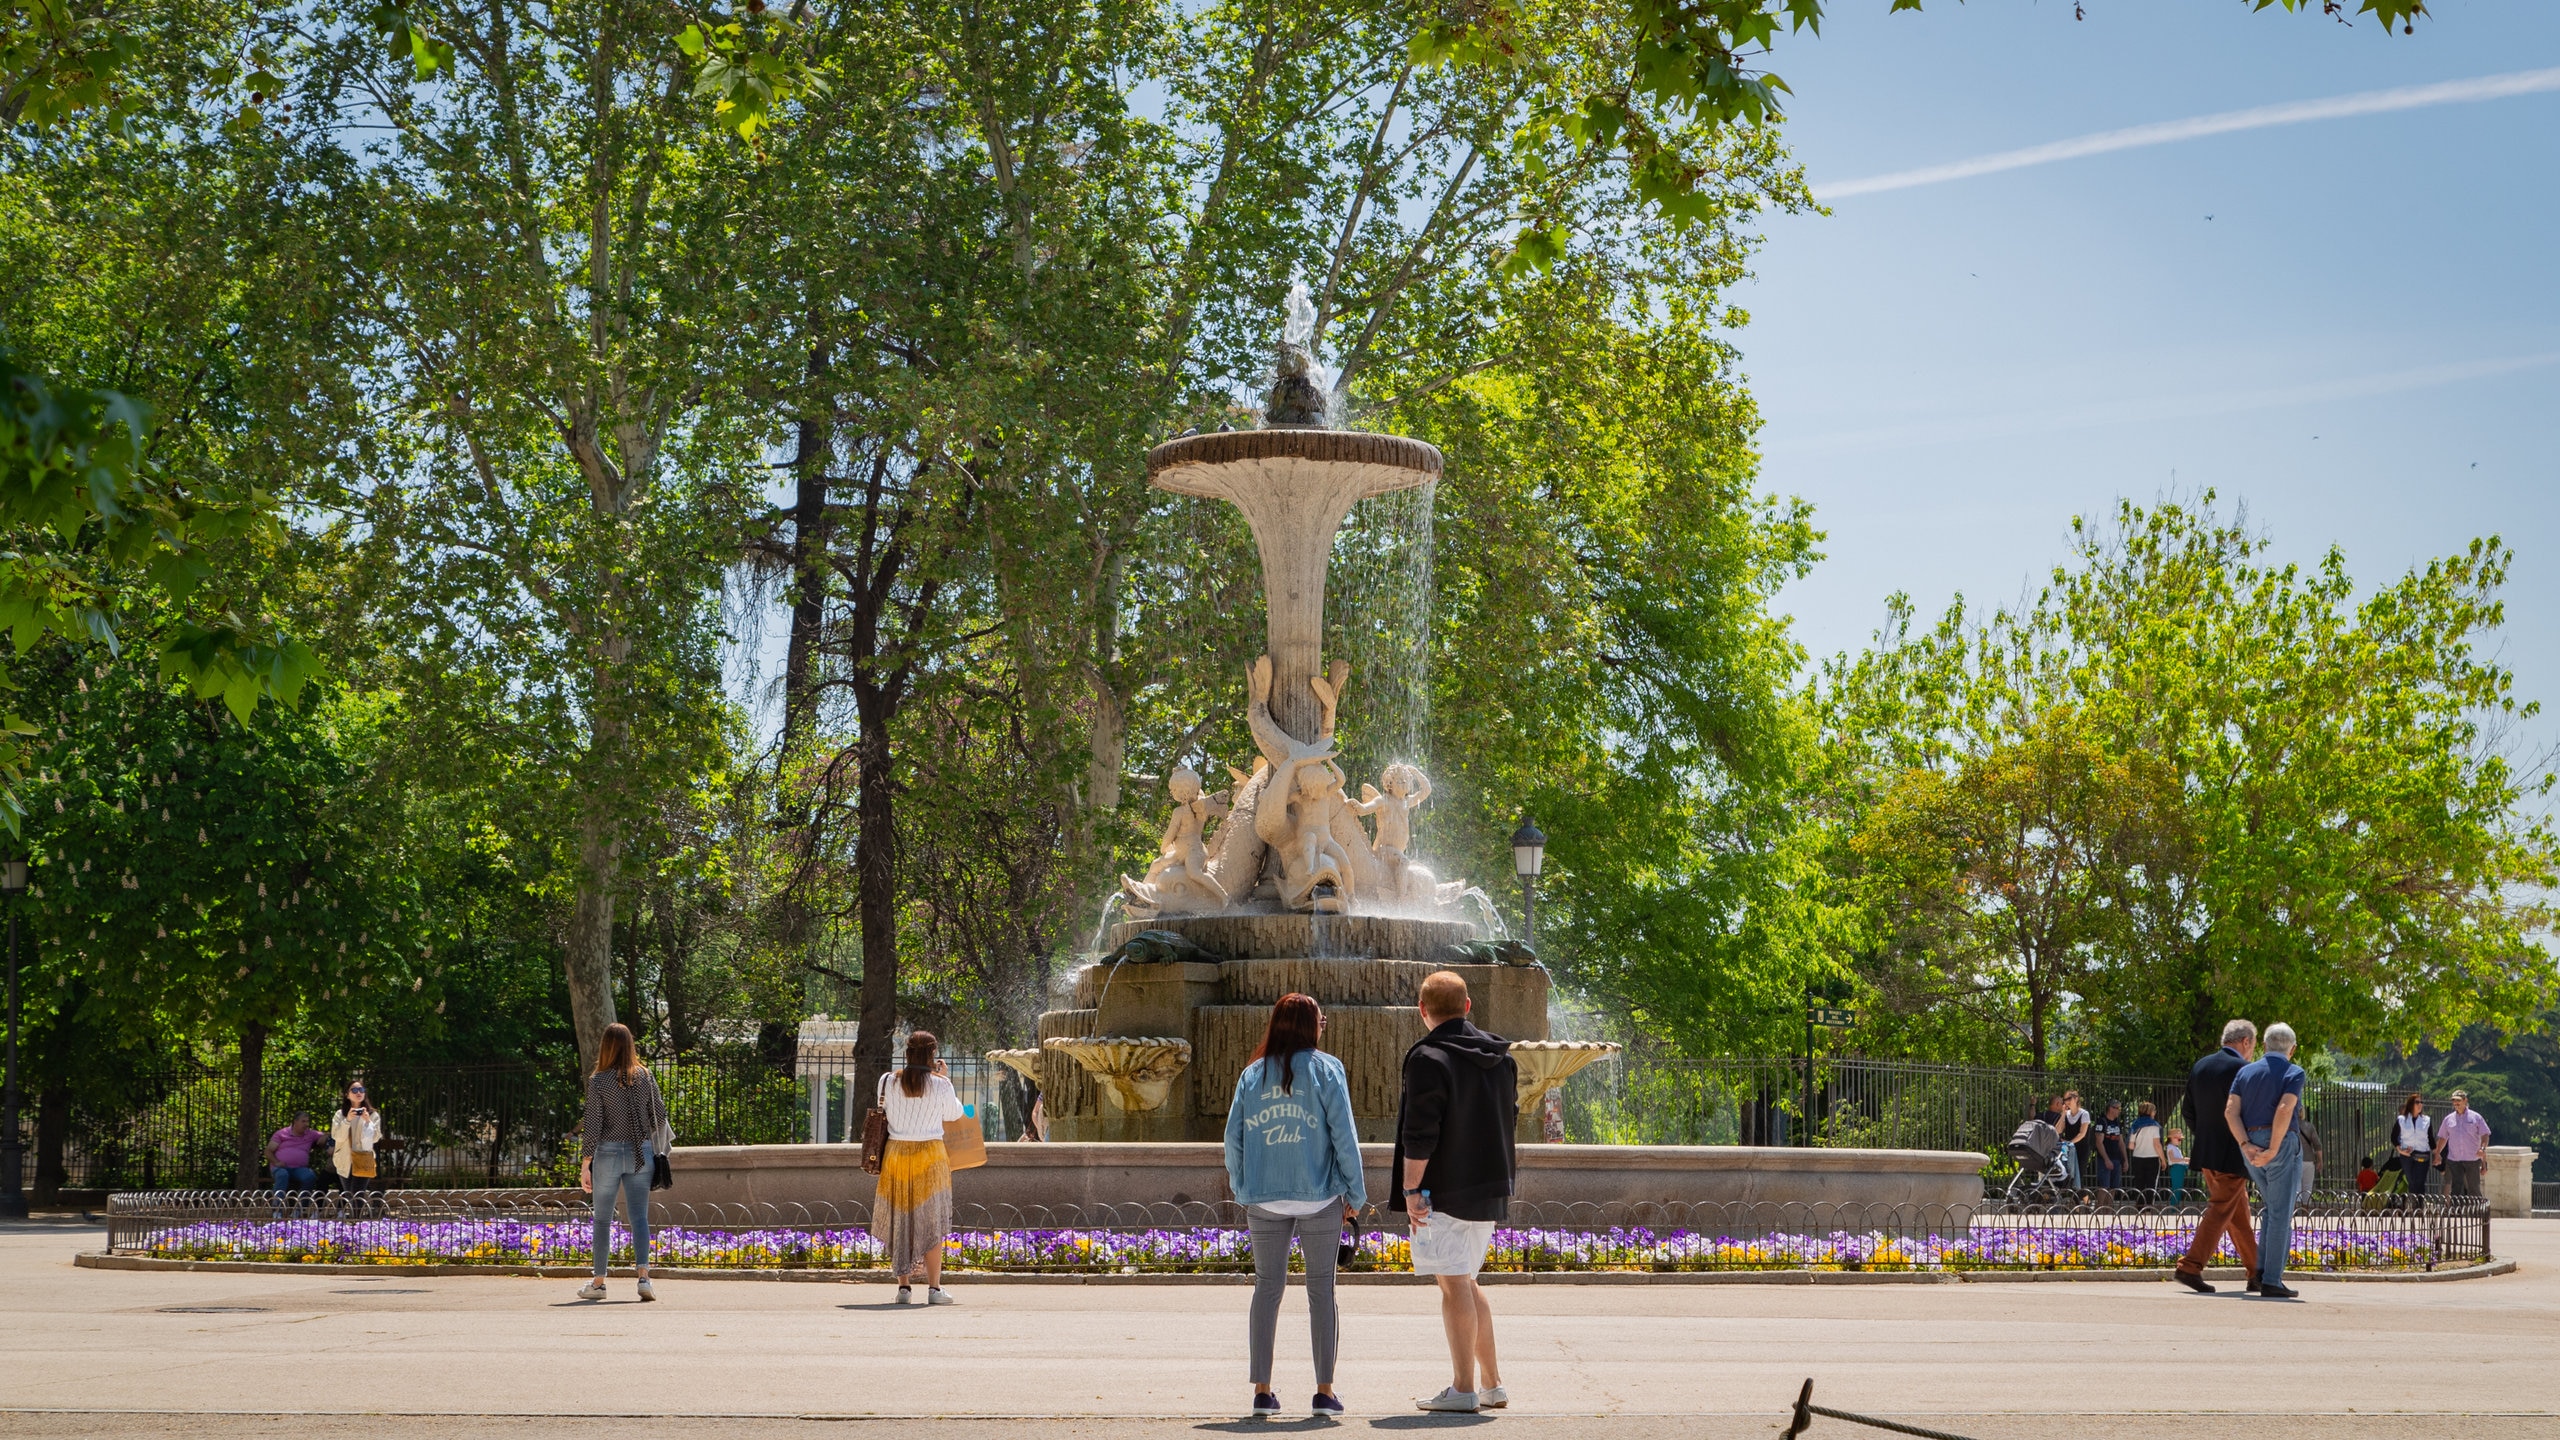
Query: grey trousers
1319, 1235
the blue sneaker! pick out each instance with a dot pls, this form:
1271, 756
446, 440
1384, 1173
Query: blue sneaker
1265, 1405
1324, 1407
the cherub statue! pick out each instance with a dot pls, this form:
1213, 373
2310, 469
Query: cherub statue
1178, 883
1300, 805
1315, 872
1407, 788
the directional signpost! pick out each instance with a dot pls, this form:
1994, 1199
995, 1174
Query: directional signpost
1829, 1017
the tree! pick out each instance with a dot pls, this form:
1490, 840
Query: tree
227, 877
2290, 804
506, 241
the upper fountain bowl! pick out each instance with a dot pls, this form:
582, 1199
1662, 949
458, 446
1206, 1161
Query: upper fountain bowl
1206, 465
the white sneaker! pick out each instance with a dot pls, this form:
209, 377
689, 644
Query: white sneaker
939, 1296
906, 1295
1493, 1399
592, 1290
646, 1293
1452, 1399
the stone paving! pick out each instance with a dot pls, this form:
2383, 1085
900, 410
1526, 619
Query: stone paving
473, 1357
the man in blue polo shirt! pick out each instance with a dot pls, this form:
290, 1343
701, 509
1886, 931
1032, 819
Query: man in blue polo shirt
2265, 1098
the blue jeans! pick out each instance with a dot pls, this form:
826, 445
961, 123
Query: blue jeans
2071, 1164
294, 1177
621, 1167
2279, 1189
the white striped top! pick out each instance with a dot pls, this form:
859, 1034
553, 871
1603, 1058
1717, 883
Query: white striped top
918, 1117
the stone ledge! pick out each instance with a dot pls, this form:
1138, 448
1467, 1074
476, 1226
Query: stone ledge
100, 1260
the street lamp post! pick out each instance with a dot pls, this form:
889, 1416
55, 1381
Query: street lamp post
1529, 856
13, 1194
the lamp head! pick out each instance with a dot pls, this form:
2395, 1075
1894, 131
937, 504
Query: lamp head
13, 876
1528, 849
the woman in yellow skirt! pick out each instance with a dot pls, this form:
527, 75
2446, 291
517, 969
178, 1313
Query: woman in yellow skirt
911, 1214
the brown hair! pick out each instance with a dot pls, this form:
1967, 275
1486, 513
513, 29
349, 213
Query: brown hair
919, 1066
618, 1054
2414, 1102
1444, 995
1293, 1025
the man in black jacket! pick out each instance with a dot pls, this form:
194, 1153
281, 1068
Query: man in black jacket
2218, 1160
1453, 1168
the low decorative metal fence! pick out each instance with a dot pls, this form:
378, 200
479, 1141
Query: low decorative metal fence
495, 1125
553, 1227
1896, 1104
444, 1126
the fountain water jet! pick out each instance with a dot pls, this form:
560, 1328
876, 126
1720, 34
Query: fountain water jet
1290, 890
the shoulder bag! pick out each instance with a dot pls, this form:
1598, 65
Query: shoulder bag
965, 1141
662, 1174
875, 1131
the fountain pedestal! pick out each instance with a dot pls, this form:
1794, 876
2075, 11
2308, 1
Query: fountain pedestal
1363, 970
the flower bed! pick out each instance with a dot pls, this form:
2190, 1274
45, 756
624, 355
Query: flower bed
2133, 1246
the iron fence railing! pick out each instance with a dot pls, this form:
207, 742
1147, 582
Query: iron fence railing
2331, 1233
446, 1126
500, 1125
1895, 1104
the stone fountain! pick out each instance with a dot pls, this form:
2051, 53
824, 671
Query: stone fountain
1290, 891
1274, 884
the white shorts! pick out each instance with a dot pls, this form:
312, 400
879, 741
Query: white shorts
1443, 1245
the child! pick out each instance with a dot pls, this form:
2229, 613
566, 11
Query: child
2177, 1148
2366, 1176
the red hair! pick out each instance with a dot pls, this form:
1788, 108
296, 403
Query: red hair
1293, 1026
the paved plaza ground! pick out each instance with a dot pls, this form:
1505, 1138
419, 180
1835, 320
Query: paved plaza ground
263, 1355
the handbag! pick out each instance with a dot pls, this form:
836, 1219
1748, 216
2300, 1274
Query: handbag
662, 1174
875, 1132
965, 1141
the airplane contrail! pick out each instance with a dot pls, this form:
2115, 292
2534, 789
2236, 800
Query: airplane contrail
2152, 409
2166, 132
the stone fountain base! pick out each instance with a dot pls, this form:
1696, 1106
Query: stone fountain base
1026, 1176
1363, 969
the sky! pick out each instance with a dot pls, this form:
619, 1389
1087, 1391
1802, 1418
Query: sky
2348, 323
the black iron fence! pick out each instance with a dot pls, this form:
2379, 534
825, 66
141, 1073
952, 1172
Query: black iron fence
504, 1125
1898, 1105
2336, 1233
449, 1126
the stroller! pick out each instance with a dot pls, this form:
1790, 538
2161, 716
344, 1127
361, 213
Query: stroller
2042, 1174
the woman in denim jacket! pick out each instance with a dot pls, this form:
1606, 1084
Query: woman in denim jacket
1293, 1162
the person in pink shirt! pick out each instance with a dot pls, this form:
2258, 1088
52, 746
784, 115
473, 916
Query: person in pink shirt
289, 1154
2460, 1140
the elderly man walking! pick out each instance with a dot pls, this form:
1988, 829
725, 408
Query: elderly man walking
1453, 1170
2218, 1160
2266, 1098
2462, 1140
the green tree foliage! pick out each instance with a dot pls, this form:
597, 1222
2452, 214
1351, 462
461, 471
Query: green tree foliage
216, 878
1605, 657
2185, 783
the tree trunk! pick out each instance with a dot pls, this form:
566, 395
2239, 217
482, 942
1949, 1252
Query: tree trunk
810, 536
53, 1136
876, 903
589, 955
251, 1137
1107, 752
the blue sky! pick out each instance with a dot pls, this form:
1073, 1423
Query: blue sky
1951, 371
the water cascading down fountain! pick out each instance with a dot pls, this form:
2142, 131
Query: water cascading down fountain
1290, 892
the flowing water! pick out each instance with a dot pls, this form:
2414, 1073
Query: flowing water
1102, 926
1378, 616
1488, 921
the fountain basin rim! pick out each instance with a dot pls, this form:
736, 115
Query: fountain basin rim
1071, 1154
1339, 447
